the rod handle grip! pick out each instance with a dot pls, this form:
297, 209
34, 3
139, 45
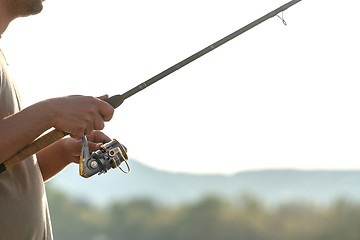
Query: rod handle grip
40, 143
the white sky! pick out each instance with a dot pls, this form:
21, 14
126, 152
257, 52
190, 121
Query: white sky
275, 97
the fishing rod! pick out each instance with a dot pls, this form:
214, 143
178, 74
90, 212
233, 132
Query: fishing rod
112, 154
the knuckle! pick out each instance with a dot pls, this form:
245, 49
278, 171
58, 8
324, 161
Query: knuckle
108, 118
79, 130
88, 131
101, 126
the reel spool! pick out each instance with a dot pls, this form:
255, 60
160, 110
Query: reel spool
110, 155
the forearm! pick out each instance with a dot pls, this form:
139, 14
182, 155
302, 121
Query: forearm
54, 158
22, 128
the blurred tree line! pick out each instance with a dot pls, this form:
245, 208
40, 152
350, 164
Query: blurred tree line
212, 218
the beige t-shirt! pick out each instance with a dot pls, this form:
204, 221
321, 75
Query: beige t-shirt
24, 210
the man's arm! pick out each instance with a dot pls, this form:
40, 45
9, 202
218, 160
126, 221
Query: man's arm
77, 115
54, 158
20, 129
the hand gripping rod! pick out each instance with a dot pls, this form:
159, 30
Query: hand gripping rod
116, 100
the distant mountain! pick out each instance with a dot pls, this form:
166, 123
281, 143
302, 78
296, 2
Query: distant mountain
270, 186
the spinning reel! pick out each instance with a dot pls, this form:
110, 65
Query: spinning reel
110, 155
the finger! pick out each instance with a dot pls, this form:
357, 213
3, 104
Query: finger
76, 136
99, 123
88, 131
79, 132
107, 113
105, 109
99, 137
94, 146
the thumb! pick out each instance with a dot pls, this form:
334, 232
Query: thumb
103, 97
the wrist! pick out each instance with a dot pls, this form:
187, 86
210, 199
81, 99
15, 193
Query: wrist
48, 111
71, 149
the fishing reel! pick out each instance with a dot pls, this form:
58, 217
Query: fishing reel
110, 155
